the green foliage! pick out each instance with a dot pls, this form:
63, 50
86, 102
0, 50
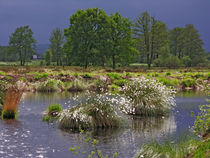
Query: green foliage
22, 43
169, 81
40, 76
48, 57
8, 114
75, 74
2, 73
114, 76
77, 85
56, 43
202, 121
120, 82
86, 75
168, 73
167, 61
114, 88
188, 82
50, 86
54, 108
23, 79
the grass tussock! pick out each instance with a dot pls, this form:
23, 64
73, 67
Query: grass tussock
52, 112
147, 97
95, 113
77, 86
50, 86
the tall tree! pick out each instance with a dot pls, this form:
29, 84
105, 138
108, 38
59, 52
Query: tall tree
23, 43
152, 35
56, 44
121, 46
48, 57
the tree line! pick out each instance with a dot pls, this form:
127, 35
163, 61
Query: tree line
94, 38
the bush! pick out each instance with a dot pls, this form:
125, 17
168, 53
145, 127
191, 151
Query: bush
168, 82
168, 73
147, 97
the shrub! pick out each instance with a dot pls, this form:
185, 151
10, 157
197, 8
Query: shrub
50, 86
147, 97
114, 88
77, 86
96, 112
75, 74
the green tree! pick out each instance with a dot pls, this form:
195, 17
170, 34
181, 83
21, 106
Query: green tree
121, 41
48, 56
56, 44
23, 43
152, 35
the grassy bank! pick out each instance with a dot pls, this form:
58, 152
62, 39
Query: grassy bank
98, 79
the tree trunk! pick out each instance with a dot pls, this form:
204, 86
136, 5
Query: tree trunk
113, 62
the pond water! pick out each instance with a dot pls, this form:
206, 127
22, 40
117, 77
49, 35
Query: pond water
30, 137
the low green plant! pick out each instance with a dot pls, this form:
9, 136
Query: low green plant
114, 76
114, 88
168, 73
50, 86
202, 121
77, 85
2, 73
8, 114
41, 76
75, 74
120, 82
168, 82
23, 79
86, 75
52, 112
188, 82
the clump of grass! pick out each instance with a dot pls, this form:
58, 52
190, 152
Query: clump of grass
155, 75
188, 82
166, 149
50, 86
168, 73
120, 82
169, 82
114, 88
100, 85
96, 112
86, 75
8, 114
75, 74
147, 97
77, 85
23, 79
52, 111
114, 76
2, 73
40, 76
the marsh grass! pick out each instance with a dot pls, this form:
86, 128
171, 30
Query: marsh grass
52, 112
96, 112
11, 101
77, 86
147, 97
50, 86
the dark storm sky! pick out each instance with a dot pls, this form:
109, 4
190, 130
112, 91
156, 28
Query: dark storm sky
45, 15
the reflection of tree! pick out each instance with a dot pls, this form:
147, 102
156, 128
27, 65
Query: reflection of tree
153, 125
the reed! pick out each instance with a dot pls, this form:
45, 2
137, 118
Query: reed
11, 101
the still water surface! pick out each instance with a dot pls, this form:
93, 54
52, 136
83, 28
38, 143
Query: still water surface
30, 137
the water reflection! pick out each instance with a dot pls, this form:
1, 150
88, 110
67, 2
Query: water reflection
30, 137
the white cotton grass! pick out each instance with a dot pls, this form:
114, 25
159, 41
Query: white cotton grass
147, 97
97, 111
